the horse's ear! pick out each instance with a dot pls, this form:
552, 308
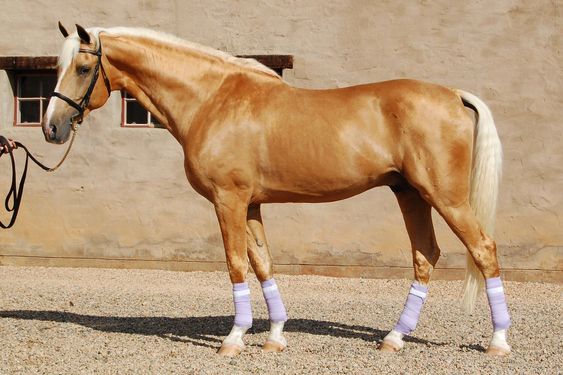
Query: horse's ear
63, 30
83, 34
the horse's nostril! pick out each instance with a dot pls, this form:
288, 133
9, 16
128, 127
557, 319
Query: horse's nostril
52, 132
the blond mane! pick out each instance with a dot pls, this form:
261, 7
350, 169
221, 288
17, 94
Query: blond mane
72, 45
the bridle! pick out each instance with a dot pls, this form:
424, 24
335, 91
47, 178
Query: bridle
81, 106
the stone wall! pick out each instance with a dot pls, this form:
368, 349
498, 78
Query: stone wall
122, 199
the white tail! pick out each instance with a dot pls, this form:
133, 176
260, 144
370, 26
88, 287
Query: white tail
485, 179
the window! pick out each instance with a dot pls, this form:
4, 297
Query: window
33, 91
33, 79
134, 115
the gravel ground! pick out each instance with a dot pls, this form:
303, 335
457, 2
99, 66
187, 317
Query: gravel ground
74, 321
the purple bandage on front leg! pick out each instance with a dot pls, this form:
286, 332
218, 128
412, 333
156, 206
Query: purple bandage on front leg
497, 303
276, 309
243, 310
409, 318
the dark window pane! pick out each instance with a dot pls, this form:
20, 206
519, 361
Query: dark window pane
136, 114
45, 104
49, 83
29, 86
154, 120
29, 111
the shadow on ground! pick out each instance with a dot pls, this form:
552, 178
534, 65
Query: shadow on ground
205, 331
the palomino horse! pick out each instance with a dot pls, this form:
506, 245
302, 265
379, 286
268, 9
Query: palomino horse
249, 138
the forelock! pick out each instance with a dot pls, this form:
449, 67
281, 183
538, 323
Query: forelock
71, 46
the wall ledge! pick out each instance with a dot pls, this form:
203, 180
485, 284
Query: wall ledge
275, 62
368, 272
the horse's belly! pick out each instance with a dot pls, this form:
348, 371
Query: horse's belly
328, 165
317, 188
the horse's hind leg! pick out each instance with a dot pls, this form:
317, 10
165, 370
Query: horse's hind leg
448, 192
482, 248
261, 261
418, 220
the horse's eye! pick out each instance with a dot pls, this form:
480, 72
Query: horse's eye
84, 70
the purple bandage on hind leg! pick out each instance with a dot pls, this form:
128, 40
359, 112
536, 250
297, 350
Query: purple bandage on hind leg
497, 303
276, 309
243, 310
409, 318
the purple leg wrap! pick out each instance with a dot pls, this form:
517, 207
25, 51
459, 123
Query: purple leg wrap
409, 317
497, 303
276, 309
243, 311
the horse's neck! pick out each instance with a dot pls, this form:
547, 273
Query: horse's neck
171, 83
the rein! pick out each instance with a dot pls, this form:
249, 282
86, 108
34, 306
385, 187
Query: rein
16, 192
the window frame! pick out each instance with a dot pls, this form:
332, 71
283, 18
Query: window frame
18, 74
125, 98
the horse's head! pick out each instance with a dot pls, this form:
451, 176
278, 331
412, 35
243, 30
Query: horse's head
81, 87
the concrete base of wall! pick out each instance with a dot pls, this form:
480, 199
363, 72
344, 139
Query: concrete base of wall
369, 272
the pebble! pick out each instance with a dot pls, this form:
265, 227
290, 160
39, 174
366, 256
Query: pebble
81, 320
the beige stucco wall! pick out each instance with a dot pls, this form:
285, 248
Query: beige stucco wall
123, 194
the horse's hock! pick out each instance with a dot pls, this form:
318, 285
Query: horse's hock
145, 215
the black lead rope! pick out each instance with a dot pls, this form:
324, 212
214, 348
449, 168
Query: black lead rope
13, 199
16, 193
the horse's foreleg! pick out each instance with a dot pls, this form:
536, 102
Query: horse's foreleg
231, 210
418, 220
261, 261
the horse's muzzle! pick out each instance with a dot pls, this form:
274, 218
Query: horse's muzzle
56, 134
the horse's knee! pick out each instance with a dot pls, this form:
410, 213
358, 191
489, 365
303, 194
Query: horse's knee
237, 274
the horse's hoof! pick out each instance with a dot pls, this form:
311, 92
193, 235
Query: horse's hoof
496, 351
388, 347
273, 347
229, 350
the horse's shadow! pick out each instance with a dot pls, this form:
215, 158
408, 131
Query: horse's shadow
204, 331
